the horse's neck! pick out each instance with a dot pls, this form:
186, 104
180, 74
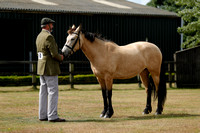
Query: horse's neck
93, 50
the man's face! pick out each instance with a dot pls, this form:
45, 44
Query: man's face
50, 25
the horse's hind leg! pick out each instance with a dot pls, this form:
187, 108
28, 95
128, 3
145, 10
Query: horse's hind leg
145, 80
160, 84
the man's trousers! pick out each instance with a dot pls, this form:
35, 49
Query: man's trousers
48, 97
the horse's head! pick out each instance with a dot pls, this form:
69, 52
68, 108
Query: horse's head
72, 43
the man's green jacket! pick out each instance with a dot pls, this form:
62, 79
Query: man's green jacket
48, 57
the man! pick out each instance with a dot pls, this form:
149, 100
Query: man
48, 69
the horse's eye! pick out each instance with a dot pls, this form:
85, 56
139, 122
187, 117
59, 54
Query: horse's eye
72, 39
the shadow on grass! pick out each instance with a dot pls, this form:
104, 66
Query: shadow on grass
99, 89
76, 89
163, 116
127, 118
94, 120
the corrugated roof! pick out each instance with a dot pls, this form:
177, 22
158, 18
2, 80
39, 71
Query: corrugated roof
84, 6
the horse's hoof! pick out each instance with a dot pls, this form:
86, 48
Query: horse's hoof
102, 115
107, 116
147, 111
158, 112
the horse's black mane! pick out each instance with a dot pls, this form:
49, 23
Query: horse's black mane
91, 36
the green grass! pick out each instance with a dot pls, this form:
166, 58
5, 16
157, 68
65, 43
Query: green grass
83, 105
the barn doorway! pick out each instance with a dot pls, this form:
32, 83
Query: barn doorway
13, 36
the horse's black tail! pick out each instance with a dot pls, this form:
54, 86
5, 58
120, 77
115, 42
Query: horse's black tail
161, 94
162, 89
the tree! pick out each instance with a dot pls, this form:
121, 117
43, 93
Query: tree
169, 5
189, 11
191, 17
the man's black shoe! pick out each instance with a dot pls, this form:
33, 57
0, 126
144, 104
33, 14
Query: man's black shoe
58, 120
43, 119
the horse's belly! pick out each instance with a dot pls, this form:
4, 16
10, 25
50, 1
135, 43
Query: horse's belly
125, 76
127, 73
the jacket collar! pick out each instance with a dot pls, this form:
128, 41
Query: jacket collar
43, 30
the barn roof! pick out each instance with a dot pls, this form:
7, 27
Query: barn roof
121, 7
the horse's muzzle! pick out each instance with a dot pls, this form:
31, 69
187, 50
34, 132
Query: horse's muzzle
66, 55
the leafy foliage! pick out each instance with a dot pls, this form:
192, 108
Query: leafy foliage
189, 11
191, 17
169, 5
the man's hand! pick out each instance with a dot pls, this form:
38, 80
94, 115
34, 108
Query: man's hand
62, 57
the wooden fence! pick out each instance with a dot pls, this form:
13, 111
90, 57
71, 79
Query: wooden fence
33, 71
170, 72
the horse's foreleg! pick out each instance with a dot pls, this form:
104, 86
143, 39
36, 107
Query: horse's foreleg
106, 86
109, 82
104, 95
110, 111
105, 101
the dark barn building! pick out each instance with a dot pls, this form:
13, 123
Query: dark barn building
118, 20
188, 68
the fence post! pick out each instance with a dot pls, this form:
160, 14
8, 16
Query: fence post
71, 77
170, 75
175, 76
34, 82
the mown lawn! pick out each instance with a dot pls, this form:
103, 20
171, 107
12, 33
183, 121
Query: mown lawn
83, 105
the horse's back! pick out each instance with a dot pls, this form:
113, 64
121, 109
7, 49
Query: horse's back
150, 52
142, 46
144, 49
129, 60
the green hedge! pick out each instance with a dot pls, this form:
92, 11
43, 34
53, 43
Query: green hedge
16, 80
78, 79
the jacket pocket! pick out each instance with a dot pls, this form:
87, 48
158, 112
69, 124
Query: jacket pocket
41, 67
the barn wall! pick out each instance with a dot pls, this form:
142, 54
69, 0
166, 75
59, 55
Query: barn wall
122, 29
188, 68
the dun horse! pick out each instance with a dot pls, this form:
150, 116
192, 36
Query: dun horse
110, 61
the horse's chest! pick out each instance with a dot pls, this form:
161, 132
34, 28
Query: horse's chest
100, 71
96, 71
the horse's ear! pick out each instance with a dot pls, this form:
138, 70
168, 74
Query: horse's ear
78, 29
70, 30
80, 26
73, 27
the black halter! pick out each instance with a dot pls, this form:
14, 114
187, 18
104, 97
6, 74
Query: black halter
72, 48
